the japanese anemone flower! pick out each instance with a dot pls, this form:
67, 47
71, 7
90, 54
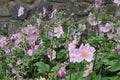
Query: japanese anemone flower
20, 11
86, 52
88, 71
106, 28
117, 2
58, 31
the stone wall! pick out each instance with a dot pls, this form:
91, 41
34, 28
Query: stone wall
8, 8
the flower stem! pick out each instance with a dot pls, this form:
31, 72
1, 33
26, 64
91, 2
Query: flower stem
69, 66
97, 35
70, 78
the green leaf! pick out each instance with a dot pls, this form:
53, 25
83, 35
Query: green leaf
62, 55
42, 67
115, 68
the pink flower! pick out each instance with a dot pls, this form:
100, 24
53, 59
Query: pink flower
37, 47
7, 50
42, 78
83, 27
118, 73
91, 20
88, 71
83, 53
28, 29
12, 68
44, 11
72, 45
72, 14
97, 3
110, 35
18, 77
86, 52
74, 56
117, 49
106, 28
15, 47
34, 33
52, 55
118, 31
117, 2
12, 39
58, 31
31, 52
17, 38
10, 65
31, 40
38, 21
3, 42
62, 73
53, 14
50, 35
20, 11
19, 61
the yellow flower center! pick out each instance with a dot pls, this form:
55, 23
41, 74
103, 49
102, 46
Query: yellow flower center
72, 56
88, 71
52, 55
107, 27
2, 40
73, 44
57, 31
21, 11
29, 29
84, 53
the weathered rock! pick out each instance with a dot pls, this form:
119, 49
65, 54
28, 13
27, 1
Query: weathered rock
61, 1
4, 11
47, 6
111, 9
28, 1
3, 28
4, 2
117, 13
80, 9
12, 4
14, 27
8, 27
90, 1
107, 1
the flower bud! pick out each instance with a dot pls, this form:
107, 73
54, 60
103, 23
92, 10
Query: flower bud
62, 73
12, 39
97, 3
118, 74
117, 49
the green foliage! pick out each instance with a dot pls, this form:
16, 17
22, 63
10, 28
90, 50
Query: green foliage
106, 62
42, 68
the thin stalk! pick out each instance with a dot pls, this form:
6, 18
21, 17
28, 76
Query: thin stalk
95, 58
70, 77
51, 55
97, 35
100, 71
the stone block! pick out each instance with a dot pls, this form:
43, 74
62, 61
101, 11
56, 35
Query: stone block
28, 1
59, 1
4, 11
